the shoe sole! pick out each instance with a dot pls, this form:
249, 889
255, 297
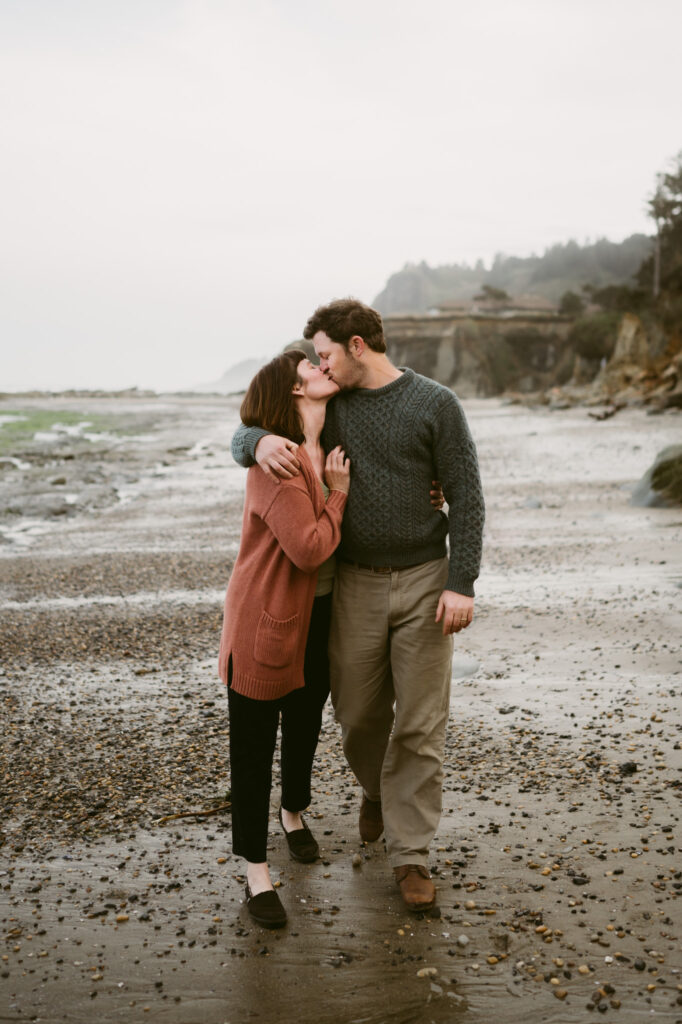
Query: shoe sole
267, 924
420, 909
303, 860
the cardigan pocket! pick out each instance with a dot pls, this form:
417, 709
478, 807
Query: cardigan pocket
276, 640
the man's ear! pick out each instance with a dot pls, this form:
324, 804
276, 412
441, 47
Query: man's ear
356, 346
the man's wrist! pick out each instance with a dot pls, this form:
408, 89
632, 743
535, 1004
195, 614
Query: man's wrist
253, 439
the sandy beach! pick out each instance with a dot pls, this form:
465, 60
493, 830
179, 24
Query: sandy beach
558, 859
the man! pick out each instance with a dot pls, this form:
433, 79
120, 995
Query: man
397, 597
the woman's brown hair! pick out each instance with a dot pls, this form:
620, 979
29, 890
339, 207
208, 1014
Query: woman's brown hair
269, 402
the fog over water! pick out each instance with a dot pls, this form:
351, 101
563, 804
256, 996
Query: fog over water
181, 182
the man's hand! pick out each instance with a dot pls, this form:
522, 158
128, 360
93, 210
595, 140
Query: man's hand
276, 456
456, 611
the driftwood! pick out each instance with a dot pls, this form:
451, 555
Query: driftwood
193, 814
607, 413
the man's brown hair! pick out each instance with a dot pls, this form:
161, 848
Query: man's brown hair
342, 319
269, 402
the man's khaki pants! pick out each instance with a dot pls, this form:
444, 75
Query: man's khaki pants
390, 685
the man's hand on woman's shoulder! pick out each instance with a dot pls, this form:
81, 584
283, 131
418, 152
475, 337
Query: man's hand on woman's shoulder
276, 456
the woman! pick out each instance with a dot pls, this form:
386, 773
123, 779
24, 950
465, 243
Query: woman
273, 651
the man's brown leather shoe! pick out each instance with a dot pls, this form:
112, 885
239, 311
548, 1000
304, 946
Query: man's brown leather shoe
371, 822
417, 889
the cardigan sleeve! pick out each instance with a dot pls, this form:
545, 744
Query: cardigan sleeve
306, 540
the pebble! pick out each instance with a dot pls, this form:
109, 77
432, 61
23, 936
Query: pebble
179, 750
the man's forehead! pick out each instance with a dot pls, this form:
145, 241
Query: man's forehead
321, 341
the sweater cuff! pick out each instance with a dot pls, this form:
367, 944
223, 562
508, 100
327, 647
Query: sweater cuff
244, 444
461, 583
253, 436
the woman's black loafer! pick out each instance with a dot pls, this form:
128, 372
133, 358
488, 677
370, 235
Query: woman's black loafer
301, 842
266, 908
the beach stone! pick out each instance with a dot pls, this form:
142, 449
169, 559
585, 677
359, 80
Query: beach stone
39, 505
464, 666
661, 485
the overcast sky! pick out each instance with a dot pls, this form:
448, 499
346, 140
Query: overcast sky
183, 181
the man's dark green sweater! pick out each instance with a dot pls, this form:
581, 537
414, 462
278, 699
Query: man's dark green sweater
399, 438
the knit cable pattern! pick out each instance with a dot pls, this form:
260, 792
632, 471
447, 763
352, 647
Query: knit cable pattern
399, 438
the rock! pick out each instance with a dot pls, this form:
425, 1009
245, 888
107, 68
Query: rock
96, 496
661, 485
40, 505
427, 972
463, 940
532, 503
463, 667
632, 346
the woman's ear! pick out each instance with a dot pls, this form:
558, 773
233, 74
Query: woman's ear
298, 387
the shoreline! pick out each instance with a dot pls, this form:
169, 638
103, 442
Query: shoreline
556, 861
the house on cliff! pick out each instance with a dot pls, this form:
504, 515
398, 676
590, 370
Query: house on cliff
485, 347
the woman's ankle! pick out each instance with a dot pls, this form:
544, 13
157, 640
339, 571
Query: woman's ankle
291, 820
258, 877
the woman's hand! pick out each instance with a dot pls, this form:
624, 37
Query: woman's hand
437, 496
337, 470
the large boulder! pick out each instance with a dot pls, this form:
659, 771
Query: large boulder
661, 485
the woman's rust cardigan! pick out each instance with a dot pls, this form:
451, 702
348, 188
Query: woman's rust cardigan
287, 533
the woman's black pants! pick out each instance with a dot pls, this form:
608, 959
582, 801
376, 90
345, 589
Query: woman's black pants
253, 735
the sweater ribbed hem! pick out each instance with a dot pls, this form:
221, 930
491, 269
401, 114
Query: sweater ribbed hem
262, 689
395, 557
461, 584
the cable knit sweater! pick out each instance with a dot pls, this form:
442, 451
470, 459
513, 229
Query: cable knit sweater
399, 438
287, 533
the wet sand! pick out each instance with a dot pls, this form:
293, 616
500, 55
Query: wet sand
558, 856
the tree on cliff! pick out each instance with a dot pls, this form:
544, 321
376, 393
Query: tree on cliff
661, 273
490, 294
571, 304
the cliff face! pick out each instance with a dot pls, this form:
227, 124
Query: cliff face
483, 355
563, 267
645, 368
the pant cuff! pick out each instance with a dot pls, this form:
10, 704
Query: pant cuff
396, 860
